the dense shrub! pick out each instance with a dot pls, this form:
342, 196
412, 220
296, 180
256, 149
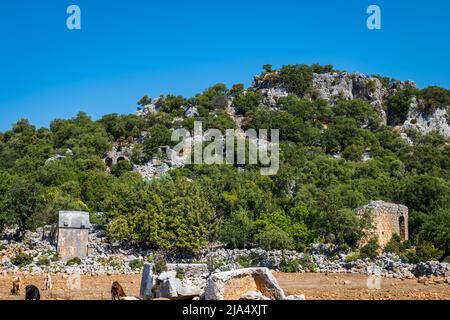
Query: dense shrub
424, 251
307, 263
74, 262
121, 167
180, 273
273, 237
43, 261
136, 264
236, 230
317, 68
246, 102
434, 98
22, 260
290, 265
244, 261
394, 245
159, 263
370, 250
355, 256
174, 215
398, 106
296, 79
158, 136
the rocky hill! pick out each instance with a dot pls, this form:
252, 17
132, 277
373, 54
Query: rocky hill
345, 140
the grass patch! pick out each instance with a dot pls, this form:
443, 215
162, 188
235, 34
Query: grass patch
22, 260
43, 261
136, 264
73, 262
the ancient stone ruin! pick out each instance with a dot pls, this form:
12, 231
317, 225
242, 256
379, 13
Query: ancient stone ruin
73, 234
387, 219
233, 285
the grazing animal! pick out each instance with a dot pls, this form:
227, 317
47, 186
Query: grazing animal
16, 286
117, 291
32, 293
48, 284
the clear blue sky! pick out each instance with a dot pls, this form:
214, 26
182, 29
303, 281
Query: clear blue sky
130, 48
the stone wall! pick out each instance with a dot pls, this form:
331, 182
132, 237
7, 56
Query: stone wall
387, 219
73, 234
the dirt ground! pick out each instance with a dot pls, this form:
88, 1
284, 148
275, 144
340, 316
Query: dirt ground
313, 286
317, 286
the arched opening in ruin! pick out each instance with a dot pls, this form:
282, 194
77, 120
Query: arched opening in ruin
402, 225
120, 159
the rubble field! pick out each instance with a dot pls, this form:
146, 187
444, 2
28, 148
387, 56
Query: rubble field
313, 285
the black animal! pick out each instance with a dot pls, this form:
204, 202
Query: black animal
32, 293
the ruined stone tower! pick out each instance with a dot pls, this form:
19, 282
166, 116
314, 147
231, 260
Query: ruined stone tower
73, 234
388, 219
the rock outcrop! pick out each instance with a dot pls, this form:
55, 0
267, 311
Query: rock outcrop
233, 285
439, 121
333, 86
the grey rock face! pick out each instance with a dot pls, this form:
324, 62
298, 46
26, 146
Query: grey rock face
191, 112
439, 121
148, 109
332, 87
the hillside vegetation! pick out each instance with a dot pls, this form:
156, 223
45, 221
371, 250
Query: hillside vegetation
323, 177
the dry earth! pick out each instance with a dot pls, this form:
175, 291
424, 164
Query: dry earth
313, 286
354, 287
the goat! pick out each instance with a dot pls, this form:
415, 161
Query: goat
16, 286
117, 291
48, 284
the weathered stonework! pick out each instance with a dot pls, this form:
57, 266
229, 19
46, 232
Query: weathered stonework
73, 234
387, 219
121, 151
232, 285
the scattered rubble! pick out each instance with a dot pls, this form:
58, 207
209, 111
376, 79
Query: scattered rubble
114, 258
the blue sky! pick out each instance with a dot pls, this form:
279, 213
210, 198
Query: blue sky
130, 48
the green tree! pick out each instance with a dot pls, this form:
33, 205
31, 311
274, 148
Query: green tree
170, 214
121, 167
273, 237
22, 202
436, 230
371, 249
236, 230
297, 79
145, 100
434, 98
159, 136
398, 105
